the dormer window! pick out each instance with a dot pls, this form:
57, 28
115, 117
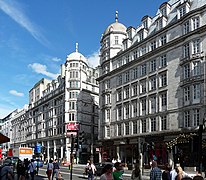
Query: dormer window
183, 9
164, 9
146, 21
145, 24
161, 22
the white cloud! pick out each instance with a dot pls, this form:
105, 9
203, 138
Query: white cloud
56, 59
42, 69
14, 10
93, 59
15, 93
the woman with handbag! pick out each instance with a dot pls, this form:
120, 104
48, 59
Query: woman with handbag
49, 169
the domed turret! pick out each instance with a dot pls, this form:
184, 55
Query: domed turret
76, 56
115, 27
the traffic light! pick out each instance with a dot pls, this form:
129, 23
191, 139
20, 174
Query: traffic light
81, 137
76, 143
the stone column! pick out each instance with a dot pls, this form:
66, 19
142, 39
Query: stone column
118, 154
62, 149
55, 149
48, 157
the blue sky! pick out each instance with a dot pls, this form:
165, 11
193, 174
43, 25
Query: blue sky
37, 35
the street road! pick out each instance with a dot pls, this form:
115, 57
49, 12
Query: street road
77, 173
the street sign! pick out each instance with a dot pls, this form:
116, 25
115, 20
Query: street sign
73, 126
70, 133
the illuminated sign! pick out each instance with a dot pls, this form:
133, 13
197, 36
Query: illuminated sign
73, 126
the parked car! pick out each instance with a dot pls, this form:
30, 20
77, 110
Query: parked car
100, 166
38, 162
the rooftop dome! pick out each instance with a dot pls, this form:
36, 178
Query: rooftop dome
76, 55
116, 26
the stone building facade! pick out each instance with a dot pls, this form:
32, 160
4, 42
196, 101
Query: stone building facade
152, 85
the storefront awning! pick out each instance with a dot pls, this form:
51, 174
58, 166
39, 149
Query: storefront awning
3, 139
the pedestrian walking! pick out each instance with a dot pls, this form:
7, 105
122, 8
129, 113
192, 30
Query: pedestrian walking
155, 173
180, 174
49, 169
22, 170
91, 170
32, 168
107, 172
55, 169
6, 172
118, 172
166, 172
136, 172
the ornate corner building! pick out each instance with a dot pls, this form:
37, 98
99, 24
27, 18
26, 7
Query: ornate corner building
152, 86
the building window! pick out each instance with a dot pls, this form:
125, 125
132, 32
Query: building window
186, 119
196, 91
108, 100
196, 46
143, 69
186, 71
196, 68
134, 108
126, 107
143, 86
135, 55
195, 23
153, 65
116, 40
107, 134
143, 104
164, 11
163, 40
163, 79
127, 128
153, 124
187, 93
134, 89
164, 99
163, 122
141, 35
163, 61
135, 73
152, 81
153, 45
119, 129
186, 27
153, 104
196, 117
119, 112
120, 79
144, 125
127, 78
182, 11
145, 24
186, 50
108, 115
159, 24
143, 50
126, 92
119, 95
135, 127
